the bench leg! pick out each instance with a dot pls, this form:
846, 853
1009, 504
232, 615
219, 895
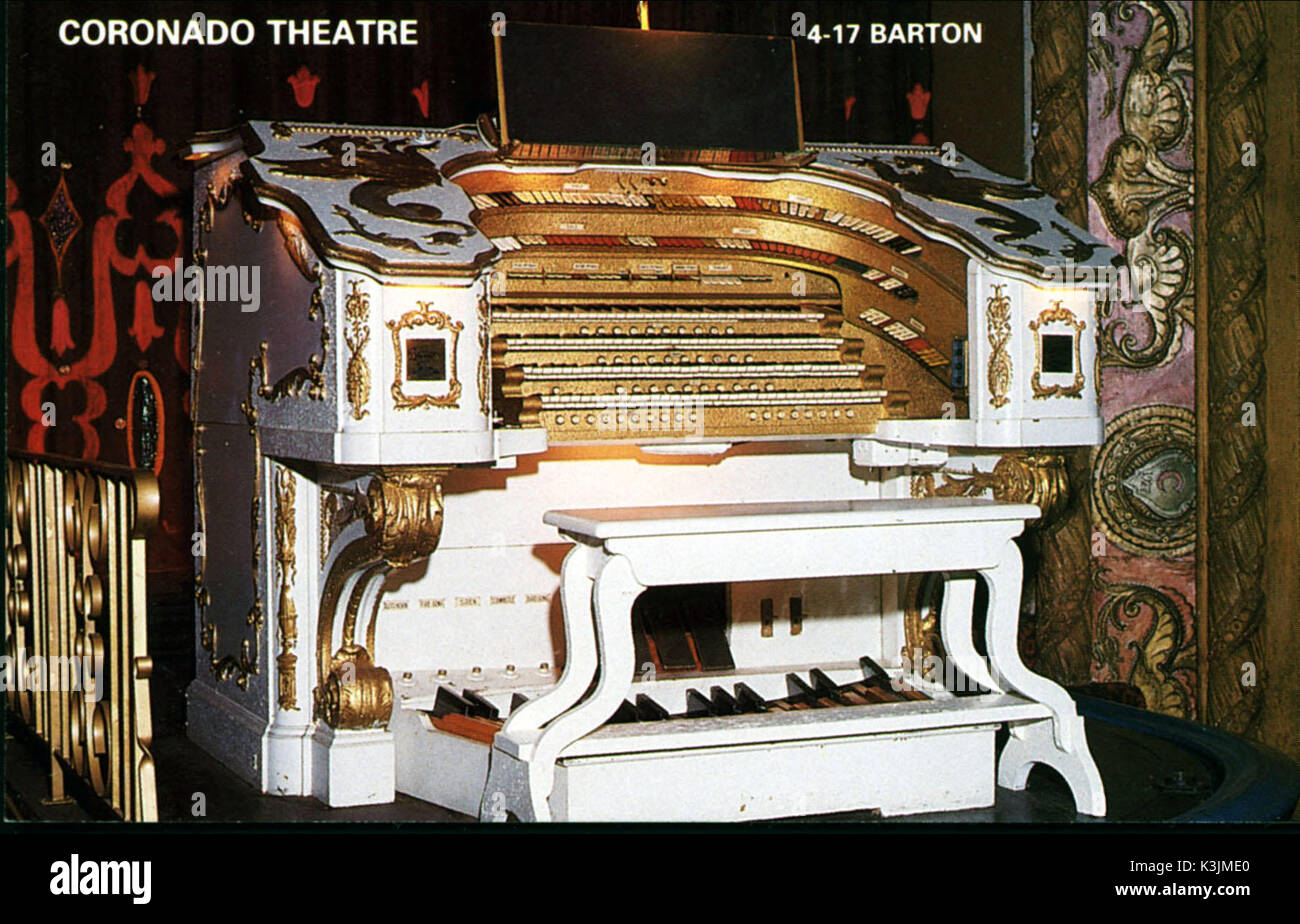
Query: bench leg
1060, 742
616, 588
507, 787
955, 631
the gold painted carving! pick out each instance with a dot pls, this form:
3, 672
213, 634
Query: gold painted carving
484, 354
999, 333
218, 196
286, 534
1057, 313
1140, 187
356, 694
425, 315
295, 244
310, 377
356, 308
1040, 479
922, 597
403, 518
75, 547
404, 514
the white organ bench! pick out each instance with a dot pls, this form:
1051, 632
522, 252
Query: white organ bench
556, 759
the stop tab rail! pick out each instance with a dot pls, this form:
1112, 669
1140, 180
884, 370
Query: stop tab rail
78, 666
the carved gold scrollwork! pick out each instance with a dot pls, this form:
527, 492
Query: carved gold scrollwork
1139, 189
356, 694
219, 190
356, 309
1040, 479
404, 514
403, 523
286, 535
999, 334
484, 354
1061, 314
922, 598
425, 315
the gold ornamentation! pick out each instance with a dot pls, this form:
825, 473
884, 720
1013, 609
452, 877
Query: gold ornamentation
1139, 188
356, 694
922, 600
403, 517
295, 244
484, 354
1057, 314
1163, 657
76, 539
1144, 481
310, 377
356, 308
425, 315
404, 514
286, 535
999, 333
219, 190
1040, 479
329, 506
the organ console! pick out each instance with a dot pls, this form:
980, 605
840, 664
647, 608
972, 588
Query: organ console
460, 333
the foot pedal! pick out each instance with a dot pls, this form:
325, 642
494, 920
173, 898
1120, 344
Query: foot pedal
647, 710
697, 704
479, 708
624, 714
448, 702
723, 702
748, 700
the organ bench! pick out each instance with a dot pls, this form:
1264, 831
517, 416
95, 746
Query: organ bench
556, 758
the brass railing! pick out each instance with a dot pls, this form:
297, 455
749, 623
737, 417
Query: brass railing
78, 665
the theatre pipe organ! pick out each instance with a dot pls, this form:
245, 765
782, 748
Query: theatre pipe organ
456, 336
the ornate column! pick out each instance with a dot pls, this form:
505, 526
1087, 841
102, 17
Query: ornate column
1248, 403
1060, 560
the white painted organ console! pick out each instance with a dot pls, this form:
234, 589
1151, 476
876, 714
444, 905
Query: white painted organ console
459, 334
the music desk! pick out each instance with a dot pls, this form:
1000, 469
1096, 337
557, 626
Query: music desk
556, 758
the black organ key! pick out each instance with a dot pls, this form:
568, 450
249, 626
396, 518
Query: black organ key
448, 702
647, 710
723, 702
873, 672
709, 628
748, 700
803, 695
825, 686
697, 704
625, 713
478, 706
669, 634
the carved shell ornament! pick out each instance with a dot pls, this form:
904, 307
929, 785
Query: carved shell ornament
1138, 190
